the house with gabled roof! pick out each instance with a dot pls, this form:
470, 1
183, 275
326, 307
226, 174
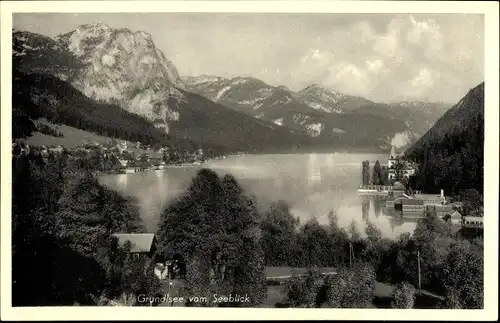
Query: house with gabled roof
143, 245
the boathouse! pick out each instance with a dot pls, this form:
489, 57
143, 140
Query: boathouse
397, 190
432, 199
411, 205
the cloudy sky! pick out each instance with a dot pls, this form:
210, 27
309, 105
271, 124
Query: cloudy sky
383, 57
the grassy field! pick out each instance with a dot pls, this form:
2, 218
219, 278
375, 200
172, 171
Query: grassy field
74, 137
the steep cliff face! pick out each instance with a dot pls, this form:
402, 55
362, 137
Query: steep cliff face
126, 68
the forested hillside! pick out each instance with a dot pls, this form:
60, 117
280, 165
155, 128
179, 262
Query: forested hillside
451, 153
44, 96
62, 219
37, 96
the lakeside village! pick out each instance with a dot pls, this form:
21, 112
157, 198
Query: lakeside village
120, 157
391, 181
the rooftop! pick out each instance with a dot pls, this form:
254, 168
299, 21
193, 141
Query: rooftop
412, 202
141, 242
428, 197
398, 186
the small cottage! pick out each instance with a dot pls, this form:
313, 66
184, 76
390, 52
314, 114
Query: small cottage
143, 244
456, 218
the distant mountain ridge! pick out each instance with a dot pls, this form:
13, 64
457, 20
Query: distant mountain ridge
316, 108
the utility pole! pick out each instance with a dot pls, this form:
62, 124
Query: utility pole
351, 254
418, 259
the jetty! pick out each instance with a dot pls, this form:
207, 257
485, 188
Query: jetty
374, 189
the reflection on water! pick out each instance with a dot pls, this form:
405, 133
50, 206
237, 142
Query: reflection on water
311, 184
313, 170
365, 207
121, 180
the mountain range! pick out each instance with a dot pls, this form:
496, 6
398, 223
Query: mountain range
125, 68
321, 112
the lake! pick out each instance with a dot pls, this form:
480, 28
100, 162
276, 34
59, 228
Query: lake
311, 184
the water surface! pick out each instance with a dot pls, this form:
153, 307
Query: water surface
311, 184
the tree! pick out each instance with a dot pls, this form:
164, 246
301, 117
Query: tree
80, 213
398, 167
339, 240
61, 220
404, 296
303, 291
73, 277
354, 234
463, 276
279, 237
433, 238
214, 226
315, 243
377, 174
120, 213
373, 233
365, 173
472, 201
349, 288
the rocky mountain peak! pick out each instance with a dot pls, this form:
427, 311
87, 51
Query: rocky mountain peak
125, 67
322, 90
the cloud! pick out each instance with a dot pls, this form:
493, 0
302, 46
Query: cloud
376, 66
411, 58
420, 84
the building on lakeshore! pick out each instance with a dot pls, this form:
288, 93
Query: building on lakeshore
394, 158
131, 170
417, 203
432, 199
407, 171
413, 206
397, 189
123, 162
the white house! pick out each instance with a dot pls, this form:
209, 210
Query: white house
161, 271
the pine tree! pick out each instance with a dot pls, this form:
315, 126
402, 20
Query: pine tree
377, 174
